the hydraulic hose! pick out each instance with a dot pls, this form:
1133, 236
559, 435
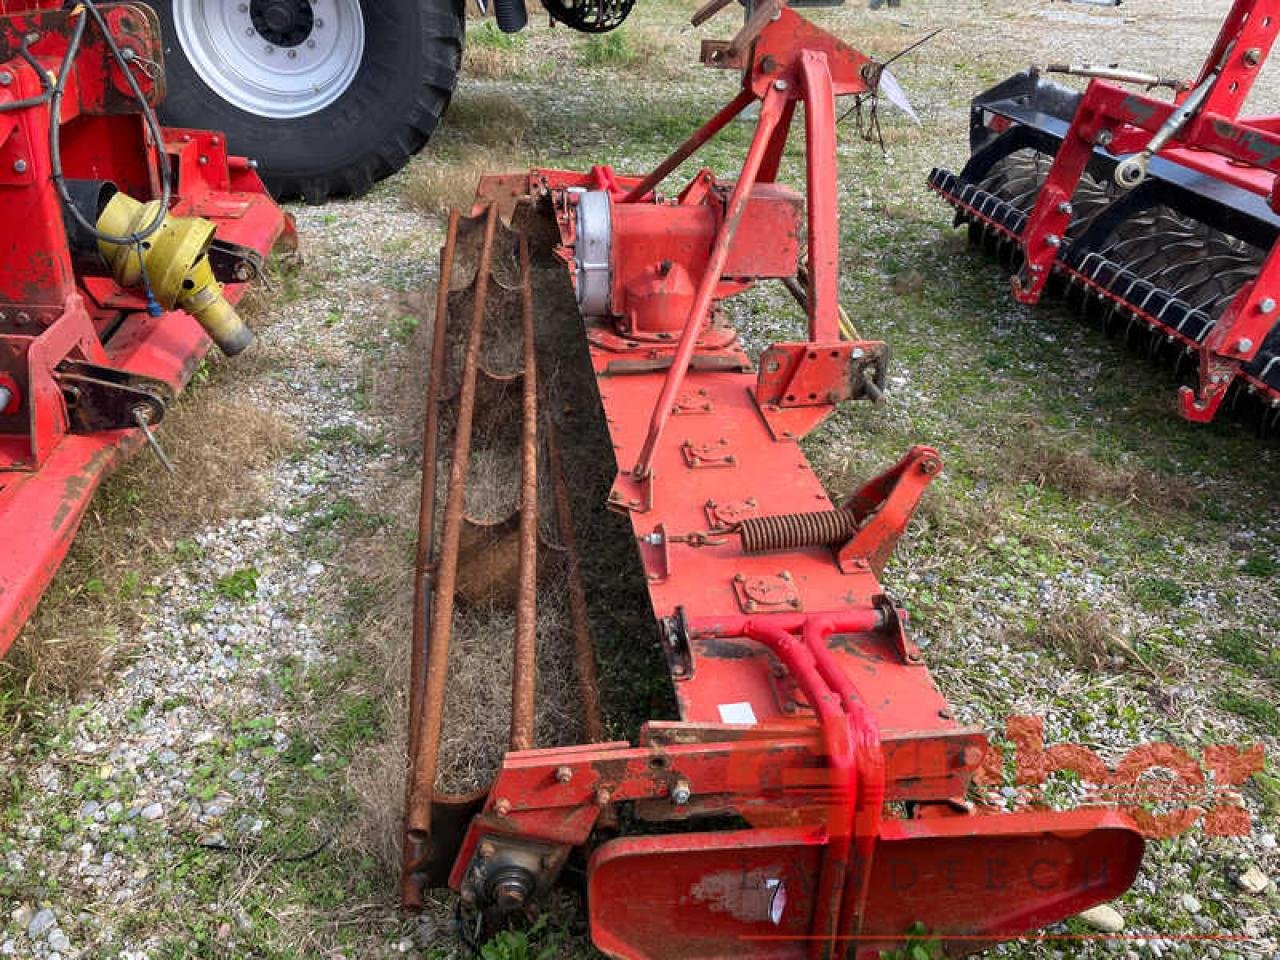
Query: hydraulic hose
511, 15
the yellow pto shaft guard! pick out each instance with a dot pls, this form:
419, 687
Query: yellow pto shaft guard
173, 262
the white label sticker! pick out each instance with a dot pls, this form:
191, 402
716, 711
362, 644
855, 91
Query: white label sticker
737, 713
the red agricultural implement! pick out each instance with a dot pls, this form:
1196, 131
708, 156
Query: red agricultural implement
1158, 219
105, 300
811, 797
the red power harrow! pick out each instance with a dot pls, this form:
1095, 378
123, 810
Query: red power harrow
1159, 219
811, 799
99, 293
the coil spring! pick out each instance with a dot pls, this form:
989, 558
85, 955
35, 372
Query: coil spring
790, 531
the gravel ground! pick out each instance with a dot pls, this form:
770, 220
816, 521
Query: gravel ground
179, 753
226, 791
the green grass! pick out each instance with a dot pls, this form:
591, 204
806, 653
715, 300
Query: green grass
1262, 713
239, 585
612, 49
487, 35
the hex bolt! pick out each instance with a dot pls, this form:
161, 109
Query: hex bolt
1053, 240
502, 807
1104, 138
681, 793
1268, 305
1244, 345
603, 796
1252, 57
1066, 208
564, 774
486, 850
19, 166
779, 84
6, 78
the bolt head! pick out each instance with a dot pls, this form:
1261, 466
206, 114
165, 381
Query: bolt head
603, 797
1244, 345
502, 807
1066, 208
1053, 240
779, 84
563, 774
681, 793
486, 850
6, 78
1268, 305
19, 166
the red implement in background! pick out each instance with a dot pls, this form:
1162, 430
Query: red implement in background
811, 800
1202, 278
81, 356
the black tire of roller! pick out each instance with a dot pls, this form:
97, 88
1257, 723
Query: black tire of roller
1017, 180
413, 51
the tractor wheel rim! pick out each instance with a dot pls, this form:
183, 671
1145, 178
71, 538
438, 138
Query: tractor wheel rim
280, 59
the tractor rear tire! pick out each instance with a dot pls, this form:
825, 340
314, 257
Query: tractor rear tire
328, 96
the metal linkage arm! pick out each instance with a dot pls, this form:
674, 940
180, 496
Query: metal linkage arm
770, 112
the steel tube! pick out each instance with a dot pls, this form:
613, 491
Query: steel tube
770, 111
824, 215
431, 713
868, 759
584, 650
427, 496
798, 658
691, 146
524, 672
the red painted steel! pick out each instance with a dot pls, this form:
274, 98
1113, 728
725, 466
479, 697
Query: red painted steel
804, 706
1215, 140
50, 312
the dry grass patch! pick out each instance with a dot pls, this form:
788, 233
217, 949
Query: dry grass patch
1086, 636
217, 442
444, 180
1048, 461
486, 120
490, 63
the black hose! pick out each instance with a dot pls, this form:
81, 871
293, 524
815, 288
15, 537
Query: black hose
34, 64
149, 117
511, 15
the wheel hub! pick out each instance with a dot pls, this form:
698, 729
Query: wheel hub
279, 59
285, 23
